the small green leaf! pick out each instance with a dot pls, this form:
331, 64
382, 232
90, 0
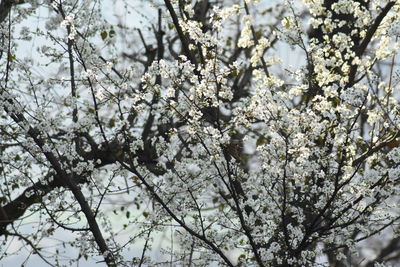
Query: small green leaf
260, 141
103, 35
286, 23
259, 34
111, 33
242, 256
234, 72
136, 180
111, 123
11, 57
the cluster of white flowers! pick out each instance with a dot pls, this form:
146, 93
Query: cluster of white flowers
68, 22
246, 38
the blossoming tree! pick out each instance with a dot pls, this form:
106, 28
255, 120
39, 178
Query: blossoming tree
190, 134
